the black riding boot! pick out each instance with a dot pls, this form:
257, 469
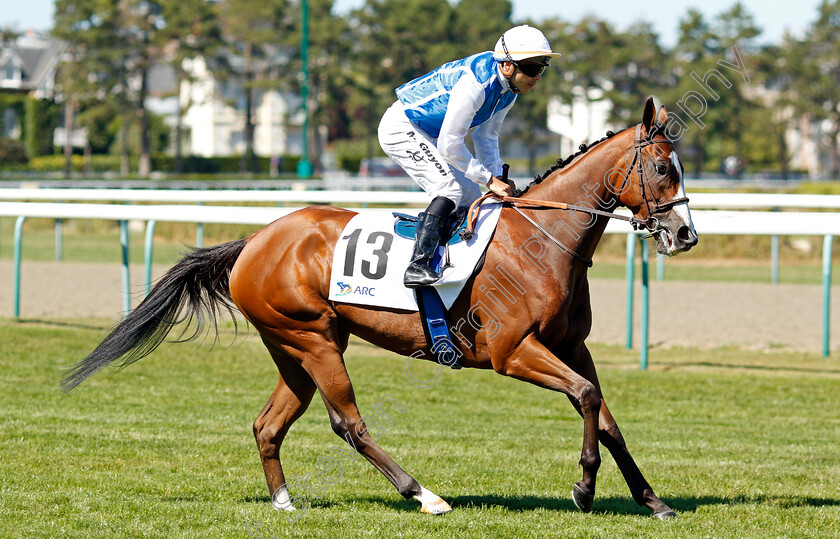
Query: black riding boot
429, 229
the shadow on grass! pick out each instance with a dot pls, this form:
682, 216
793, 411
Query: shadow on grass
62, 324
668, 366
785, 502
611, 505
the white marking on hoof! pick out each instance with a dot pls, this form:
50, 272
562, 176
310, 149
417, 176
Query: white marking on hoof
281, 501
431, 503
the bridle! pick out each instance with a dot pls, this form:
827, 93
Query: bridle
651, 223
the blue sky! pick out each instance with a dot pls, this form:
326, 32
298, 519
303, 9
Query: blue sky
773, 16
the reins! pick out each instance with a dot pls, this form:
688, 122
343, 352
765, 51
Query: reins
516, 203
651, 223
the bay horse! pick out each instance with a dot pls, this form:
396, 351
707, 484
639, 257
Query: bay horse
534, 278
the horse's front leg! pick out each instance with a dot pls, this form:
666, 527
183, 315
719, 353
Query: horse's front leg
534, 363
611, 437
641, 491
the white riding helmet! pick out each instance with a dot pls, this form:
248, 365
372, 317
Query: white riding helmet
521, 42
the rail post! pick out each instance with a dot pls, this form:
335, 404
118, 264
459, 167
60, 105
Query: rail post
827, 248
630, 278
18, 241
126, 277
660, 267
774, 256
199, 232
59, 243
148, 252
643, 345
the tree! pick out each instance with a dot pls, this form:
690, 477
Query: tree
8, 34
774, 74
395, 41
637, 70
86, 72
329, 71
479, 23
710, 99
695, 51
191, 30
736, 33
141, 22
814, 68
260, 34
590, 68
111, 45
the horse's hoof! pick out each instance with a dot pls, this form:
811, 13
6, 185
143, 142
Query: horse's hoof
431, 503
665, 515
582, 500
437, 507
281, 501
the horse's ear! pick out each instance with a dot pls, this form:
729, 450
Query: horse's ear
650, 113
662, 117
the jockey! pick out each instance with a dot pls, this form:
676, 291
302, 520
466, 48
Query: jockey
424, 131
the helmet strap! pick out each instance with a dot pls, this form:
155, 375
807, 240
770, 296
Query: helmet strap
513, 88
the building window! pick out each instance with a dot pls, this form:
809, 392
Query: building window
10, 124
10, 71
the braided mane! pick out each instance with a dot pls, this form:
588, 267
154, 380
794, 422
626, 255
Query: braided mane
582, 149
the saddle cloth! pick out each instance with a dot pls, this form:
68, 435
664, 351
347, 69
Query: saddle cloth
370, 260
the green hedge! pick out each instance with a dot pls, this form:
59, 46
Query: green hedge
228, 165
819, 188
349, 153
41, 120
12, 152
162, 163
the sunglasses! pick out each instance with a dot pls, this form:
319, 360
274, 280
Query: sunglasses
530, 69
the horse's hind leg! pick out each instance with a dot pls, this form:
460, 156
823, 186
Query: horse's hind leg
289, 400
610, 436
348, 424
324, 362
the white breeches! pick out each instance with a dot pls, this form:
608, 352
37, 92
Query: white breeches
416, 152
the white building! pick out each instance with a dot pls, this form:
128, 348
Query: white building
581, 121
27, 66
214, 118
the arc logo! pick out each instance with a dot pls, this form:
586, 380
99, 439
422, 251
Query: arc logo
346, 289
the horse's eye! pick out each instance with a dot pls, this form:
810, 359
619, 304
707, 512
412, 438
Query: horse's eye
661, 169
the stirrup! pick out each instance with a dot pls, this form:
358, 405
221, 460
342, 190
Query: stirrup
418, 275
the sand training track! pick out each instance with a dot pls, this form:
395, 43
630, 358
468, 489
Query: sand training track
703, 314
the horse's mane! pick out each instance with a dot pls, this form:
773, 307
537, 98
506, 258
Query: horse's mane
582, 149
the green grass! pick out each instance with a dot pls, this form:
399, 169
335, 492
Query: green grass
745, 271
740, 443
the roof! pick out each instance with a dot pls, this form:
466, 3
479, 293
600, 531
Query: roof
39, 56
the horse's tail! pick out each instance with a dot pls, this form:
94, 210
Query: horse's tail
197, 285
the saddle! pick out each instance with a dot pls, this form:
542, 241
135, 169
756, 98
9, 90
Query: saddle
406, 226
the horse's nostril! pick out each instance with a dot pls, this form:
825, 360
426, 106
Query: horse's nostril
685, 235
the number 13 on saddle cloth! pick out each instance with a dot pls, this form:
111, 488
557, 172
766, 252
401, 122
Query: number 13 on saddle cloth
370, 259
